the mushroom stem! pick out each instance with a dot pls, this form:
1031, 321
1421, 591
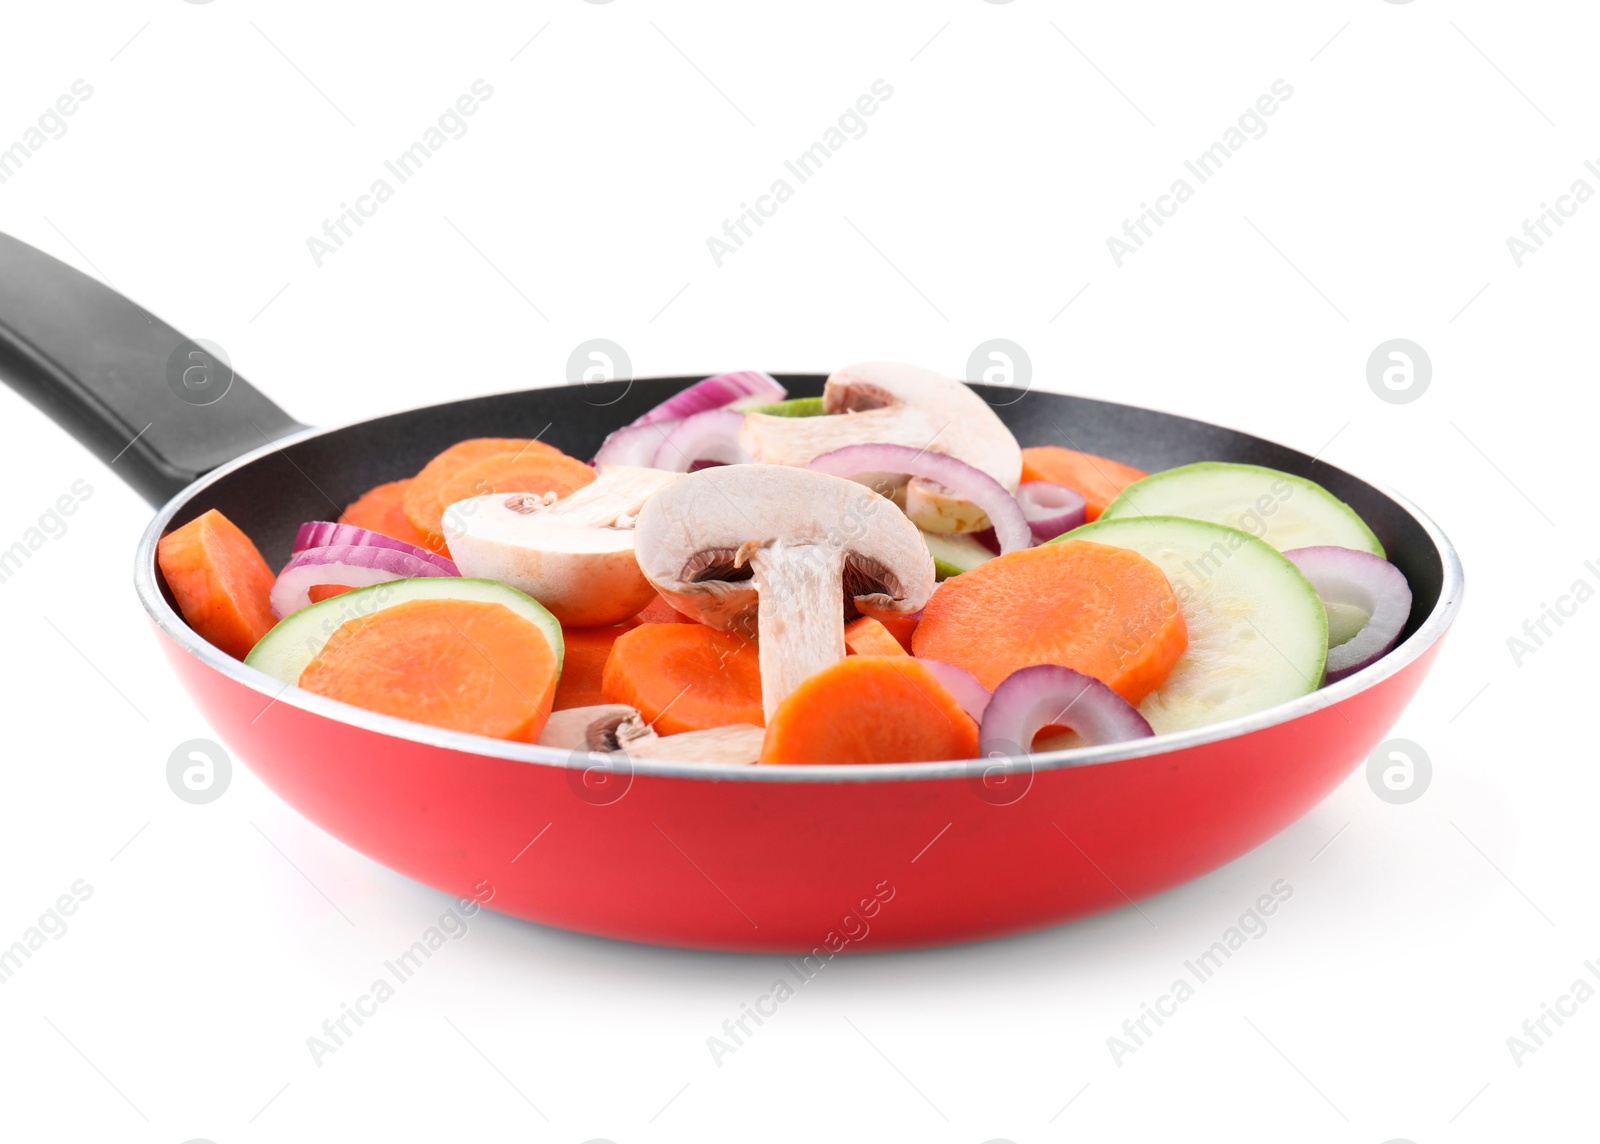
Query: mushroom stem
782, 554
799, 617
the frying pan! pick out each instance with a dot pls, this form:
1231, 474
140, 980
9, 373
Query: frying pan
806, 860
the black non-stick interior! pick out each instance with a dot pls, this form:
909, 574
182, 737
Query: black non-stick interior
315, 478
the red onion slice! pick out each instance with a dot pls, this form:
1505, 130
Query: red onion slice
1051, 509
1032, 698
961, 479
634, 445
347, 565
637, 442
962, 685
323, 533
1360, 580
719, 392
709, 436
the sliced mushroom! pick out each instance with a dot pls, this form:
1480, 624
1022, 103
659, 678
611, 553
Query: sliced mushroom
574, 555
737, 744
603, 727
783, 554
616, 727
902, 405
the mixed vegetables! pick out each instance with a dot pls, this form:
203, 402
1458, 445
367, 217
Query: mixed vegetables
878, 575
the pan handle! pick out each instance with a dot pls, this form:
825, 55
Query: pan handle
161, 408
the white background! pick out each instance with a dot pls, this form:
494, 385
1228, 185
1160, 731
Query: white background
1419, 937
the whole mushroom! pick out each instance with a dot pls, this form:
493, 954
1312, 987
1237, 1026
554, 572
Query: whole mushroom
784, 555
892, 403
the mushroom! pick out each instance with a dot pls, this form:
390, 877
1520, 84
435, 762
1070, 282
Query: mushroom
602, 727
891, 403
574, 555
738, 744
782, 554
615, 727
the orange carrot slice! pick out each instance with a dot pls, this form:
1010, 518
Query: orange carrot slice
421, 501
867, 636
1099, 479
465, 665
870, 709
219, 580
585, 664
530, 472
685, 677
902, 628
1107, 612
383, 510
321, 592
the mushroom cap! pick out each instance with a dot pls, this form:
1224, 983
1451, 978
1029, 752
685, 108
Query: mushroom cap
694, 540
893, 403
573, 555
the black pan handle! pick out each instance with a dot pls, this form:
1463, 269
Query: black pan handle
159, 407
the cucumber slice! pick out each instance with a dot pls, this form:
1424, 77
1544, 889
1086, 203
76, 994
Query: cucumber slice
295, 640
1284, 510
1257, 632
954, 553
794, 407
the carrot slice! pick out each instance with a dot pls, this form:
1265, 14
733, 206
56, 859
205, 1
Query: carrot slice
421, 501
902, 628
465, 665
658, 611
1099, 479
585, 664
867, 636
1107, 612
321, 592
530, 472
870, 709
685, 677
219, 580
383, 510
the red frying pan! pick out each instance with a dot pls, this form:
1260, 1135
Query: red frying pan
769, 858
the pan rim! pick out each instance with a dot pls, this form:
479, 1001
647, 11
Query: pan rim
1432, 628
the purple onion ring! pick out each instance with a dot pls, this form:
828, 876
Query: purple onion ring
347, 565
1051, 509
1360, 580
1011, 527
323, 533
1032, 698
